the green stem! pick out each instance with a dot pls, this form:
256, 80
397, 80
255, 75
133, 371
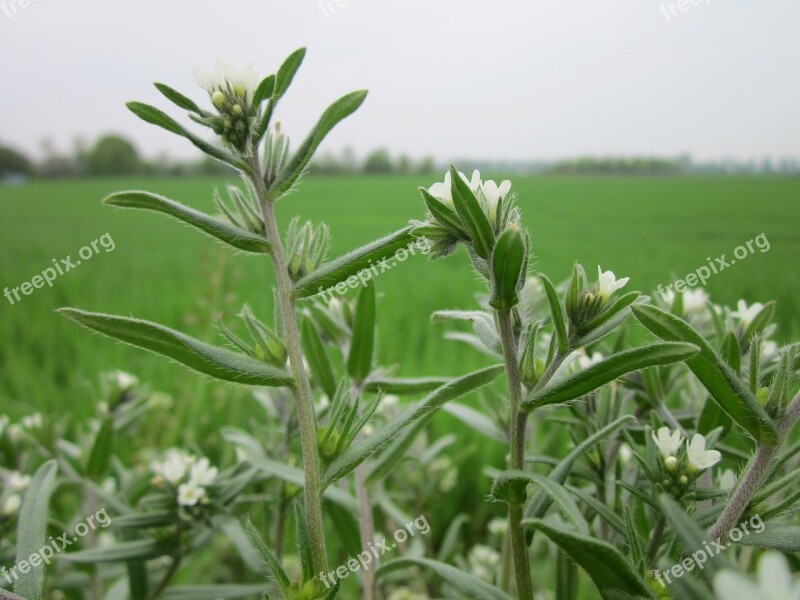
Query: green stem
655, 540
517, 423
302, 391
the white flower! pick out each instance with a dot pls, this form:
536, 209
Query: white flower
774, 582
17, 481
11, 505
625, 454
769, 349
492, 193
124, 380
203, 473
484, 562
746, 314
699, 457
174, 466
243, 81
33, 421
694, 300
608, 283
498, 526
189, 494
585, 361
442, 190
668, 443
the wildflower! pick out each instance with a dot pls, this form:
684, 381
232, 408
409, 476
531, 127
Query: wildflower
484, 562
124, 380
189, 494
243, 81
668, 443
498, 526
174, 467
442, 191
203, 473
585, 361
694, 300
699, 457
12, 505
18, 482
745, 313
33, 421
608, 283
774, 582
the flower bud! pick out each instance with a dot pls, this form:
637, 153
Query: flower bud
218, 99
671, 463
683, 480
509, 259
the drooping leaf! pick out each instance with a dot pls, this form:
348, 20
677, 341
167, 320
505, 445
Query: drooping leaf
216, 362
610, 571
32, 530
351, 264
726, 388
318, 360
401, 386
359, 452
222, 230
599, 374
559, 320
469, 585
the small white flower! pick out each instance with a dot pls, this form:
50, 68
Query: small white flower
668, 442
109, 485
774, 582
189, 494
442, 190
174, 467
498, 526
484, 562
699, 457
585, 361
203, 473
625, 454
492, 193
694, 300
608, 283
243, 81
18, 482
125, 380
11, 505
746, 314
33, 421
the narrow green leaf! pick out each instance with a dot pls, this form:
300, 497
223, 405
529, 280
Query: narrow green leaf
268, 555
359, 452
154, 116
559, 321
401, 386
226, 232
386, 459
539, 504
351, 264
359, 360
336, 112
602, 510
303, 539
731, 394
264, 90
634, 541
566, 577
777, 536
177, 98
609, 369
469, 585
32, 530
442, 213
318, 360
472, 215
144, 520
287, 72
731, 352
616, 308
759, 322
125, 551
565, 503
216, 362
213, 592
102, 450
610, 571
477, 421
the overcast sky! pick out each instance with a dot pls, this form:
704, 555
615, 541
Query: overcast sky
497, 79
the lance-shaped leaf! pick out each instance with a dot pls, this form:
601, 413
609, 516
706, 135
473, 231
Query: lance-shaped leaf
541, 502
213, 592
616, 307
267, 554
339, 269
728, 390
177, 98
610, 571
359, 360
222, 230
402, 386
472, 215
776, 536
287, 71
32, 530
102, 450
264, 89
559, 321
599, 374
318, 360
502, 490
443, 213
339, 110
125, 551
469, 585
359, 452
205, 358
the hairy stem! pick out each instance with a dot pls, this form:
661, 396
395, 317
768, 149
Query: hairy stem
754, 475
517, 424
366, 527
302, 391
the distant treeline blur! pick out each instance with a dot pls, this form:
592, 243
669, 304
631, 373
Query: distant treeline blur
114, 155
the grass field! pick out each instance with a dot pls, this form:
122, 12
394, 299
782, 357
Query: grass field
652, 230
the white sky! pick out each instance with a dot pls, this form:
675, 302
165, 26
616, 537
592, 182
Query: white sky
497, 79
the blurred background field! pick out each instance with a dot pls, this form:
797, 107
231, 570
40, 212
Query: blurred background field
651, 229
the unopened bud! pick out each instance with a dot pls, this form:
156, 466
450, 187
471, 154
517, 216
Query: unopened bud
237, 109
508, 265
218, 99
671, 463
683, 480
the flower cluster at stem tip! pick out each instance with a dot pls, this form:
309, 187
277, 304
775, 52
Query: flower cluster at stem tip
187, 475
680, 469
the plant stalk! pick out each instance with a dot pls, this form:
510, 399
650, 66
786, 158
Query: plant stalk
302, 391
517, 424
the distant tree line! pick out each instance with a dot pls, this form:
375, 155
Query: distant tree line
618, 166
377, 162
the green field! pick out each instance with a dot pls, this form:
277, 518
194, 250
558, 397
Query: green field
652, 230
